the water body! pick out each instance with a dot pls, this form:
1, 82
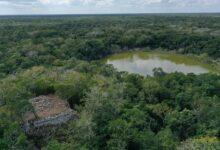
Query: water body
144, 62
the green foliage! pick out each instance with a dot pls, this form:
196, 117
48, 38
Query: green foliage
151, 91
183, 124
55, 145
11, 135
117, 110
37, 41
167, 140
72, 87
208, 143
184, 100
119, 130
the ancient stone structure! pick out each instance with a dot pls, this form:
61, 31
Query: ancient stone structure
49, 111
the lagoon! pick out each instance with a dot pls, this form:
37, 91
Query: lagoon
144, 62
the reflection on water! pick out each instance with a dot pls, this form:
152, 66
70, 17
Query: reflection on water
143, 63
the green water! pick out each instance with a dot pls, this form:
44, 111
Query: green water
144, 62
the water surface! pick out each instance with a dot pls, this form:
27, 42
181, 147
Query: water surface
144, 62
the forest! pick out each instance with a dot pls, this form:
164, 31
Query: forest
62, 55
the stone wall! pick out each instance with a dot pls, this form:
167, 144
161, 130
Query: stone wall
37, 125
56, 120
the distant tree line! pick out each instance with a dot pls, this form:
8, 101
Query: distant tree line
31, 41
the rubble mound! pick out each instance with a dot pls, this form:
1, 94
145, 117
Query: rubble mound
49, 110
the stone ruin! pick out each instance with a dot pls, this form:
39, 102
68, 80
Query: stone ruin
49, 111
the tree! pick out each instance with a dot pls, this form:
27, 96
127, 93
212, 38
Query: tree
72, 88
167, 140
183, 124
151, 90
208, 143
